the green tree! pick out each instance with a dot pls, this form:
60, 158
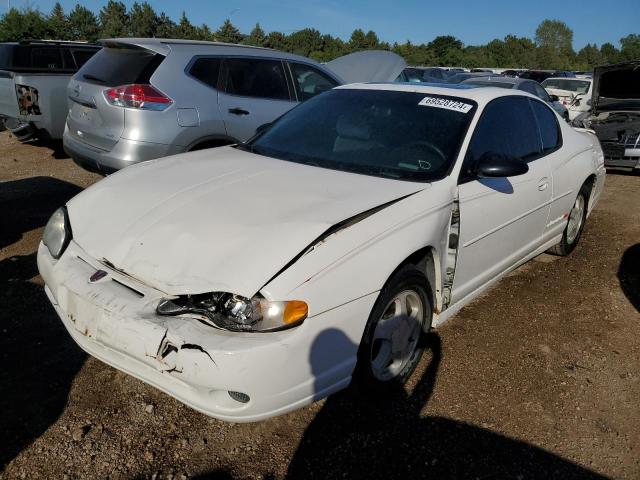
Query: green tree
305, 41
83, 24
372, 40
228, 33
630, 47
358, 40
276, 40
58, 23
18, 25
256, 37
184, 29
447, 50
143, 21
609, 53
166, 27
521, 52
588, 57
203, 32
114, 21
554, 40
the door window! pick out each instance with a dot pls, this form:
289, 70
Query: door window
46, 58
548, 125
541, 93
310, 81
507, 127
259, 78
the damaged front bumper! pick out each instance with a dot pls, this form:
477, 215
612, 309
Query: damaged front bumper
233, 376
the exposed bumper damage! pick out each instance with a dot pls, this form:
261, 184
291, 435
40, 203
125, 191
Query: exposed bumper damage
229, 375
619, 135
28, 100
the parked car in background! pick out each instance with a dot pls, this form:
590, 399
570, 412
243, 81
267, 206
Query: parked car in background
140, 99
524, 85
583, 74
461, 77
573, 93
541, 75
251, 280
424, 74
33, 85
482, 70
615, 113
511, 73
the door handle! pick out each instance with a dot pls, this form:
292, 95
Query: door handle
238, 111
543, 183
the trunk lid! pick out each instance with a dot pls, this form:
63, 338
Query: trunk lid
92, 119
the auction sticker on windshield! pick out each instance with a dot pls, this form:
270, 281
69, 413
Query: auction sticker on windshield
454, 105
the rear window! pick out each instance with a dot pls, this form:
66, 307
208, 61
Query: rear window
622, 84
120, 66
44, 58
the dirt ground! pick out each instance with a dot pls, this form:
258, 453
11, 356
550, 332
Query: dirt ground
539, 378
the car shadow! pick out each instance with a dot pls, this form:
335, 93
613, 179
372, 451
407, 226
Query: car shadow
360, 435
56, 147
28, 203
357, 435
629, 274
39, 359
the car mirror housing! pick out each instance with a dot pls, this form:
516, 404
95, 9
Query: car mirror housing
554, 98
494, 165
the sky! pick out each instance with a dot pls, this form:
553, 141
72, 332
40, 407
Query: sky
473, 22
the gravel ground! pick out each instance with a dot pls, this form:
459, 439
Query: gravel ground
539, 378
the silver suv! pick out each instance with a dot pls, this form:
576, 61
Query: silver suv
139, 99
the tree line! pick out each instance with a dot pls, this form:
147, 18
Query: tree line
552, 47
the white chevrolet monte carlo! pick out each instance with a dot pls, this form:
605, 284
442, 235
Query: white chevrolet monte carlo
248, 281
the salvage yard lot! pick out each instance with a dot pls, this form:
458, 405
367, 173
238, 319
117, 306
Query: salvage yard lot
538, 378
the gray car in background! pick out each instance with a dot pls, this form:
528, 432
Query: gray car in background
140, 99
530, 86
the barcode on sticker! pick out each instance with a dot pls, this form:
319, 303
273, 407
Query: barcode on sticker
454, 105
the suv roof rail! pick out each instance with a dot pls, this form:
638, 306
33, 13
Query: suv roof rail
57, 42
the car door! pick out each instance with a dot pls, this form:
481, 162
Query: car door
501, 219
253, 91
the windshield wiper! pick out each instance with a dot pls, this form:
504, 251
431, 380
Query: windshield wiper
88, 76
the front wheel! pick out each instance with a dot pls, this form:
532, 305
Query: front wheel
575, 224
392, 342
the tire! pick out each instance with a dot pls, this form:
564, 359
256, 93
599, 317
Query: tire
575, 224
377, 369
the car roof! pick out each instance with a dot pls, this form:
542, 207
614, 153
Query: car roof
569, 78
163, 47
481, 95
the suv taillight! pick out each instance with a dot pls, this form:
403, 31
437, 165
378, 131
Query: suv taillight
143, 97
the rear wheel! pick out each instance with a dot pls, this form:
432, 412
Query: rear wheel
392, 342
575, 223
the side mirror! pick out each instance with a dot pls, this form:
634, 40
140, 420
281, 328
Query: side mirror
554, 98
493, 165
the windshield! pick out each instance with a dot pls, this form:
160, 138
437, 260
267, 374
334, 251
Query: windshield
576, 86
394, 134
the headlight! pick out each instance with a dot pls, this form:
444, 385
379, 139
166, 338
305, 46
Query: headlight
57, 233
237, 313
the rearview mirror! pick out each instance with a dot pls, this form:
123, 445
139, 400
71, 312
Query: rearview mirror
494, 165
554, 98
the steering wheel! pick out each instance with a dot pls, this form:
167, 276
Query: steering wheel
421, 147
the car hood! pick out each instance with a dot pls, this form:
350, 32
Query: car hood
616, 87
217, 220
368, 66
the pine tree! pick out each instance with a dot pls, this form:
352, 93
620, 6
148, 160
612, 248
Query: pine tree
184, 29
257, 36
228, 33
58, 24
83, 24
114, 21
166, 27
143, 21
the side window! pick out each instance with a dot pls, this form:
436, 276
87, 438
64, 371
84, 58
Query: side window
548, 125
46, 58
250, 77
542, 93
528, 87
206, 70
507, 127
310, 81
